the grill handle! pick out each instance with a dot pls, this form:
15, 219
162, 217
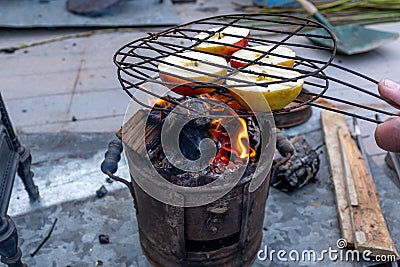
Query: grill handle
109, 165
112, 157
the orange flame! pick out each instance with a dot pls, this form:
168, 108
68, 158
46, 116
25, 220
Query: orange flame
253, 152
242, 141
216, 124
239, 145
161, 102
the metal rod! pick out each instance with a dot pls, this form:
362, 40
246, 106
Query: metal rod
360, 144
45, 239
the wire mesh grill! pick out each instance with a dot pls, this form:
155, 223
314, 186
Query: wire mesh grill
138, 63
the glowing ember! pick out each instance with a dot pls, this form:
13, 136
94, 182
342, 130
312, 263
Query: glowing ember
240, 142
161, 103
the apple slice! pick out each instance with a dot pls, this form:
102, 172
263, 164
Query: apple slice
189, 68
254, 97
222, 41
243, 56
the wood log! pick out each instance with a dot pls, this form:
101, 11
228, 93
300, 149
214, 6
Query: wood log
360, 215
369, 226
330, 123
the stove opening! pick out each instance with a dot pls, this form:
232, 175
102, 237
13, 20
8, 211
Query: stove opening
211, 245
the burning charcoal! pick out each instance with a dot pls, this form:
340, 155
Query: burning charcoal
190, 137
289, 174
104, 239
101, 192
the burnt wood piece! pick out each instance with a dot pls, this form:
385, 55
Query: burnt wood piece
297, 168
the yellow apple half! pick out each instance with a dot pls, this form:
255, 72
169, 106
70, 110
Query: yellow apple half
183, 80
223, 40
247, 55
256, 90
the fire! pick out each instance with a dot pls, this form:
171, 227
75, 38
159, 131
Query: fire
238, 145
252, 152
161, 103
216, 124
242, 142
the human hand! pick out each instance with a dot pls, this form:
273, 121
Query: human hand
387, 134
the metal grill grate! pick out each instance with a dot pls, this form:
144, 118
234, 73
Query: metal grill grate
138, 62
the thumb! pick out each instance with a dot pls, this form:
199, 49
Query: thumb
390, 90
387, 134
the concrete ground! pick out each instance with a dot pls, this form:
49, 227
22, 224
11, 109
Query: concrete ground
65, 102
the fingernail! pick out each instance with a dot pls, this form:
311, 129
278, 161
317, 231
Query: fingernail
391, 85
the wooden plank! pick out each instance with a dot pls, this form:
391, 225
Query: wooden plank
369, 226
133, 131
140, 136
348, 178
330, 123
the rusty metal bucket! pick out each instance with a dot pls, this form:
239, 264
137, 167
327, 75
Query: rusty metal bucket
226, 232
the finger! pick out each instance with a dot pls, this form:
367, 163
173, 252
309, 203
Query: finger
390, 90
387, 134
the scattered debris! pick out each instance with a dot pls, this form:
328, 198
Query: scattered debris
101, 192
104, 239
294, 171
45, 239
9, 50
